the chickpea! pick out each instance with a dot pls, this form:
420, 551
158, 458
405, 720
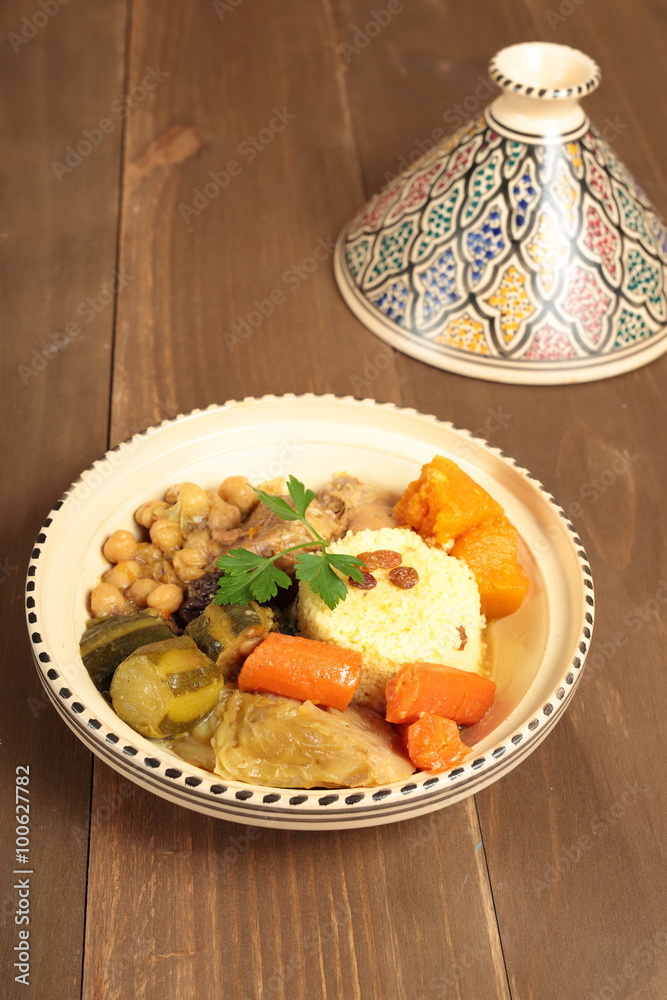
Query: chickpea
147, 554
140, 590
166, 534
194, 505
222, 515
163, 572
105, 600
190, 563
149, 512
119, 545
165, 597
172, 494
237, 490
198, 539
123, 574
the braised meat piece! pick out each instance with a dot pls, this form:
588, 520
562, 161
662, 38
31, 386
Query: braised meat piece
265, 533
358, 506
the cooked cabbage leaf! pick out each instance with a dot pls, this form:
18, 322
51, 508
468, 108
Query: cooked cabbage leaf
268, 740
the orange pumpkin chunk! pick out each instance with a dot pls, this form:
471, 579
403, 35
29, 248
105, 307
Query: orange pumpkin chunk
433, 743
490, 550
445, 502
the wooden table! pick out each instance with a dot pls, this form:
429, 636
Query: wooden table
123, 286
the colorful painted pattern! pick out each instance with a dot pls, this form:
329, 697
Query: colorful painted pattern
644, 281
416, 193
499, 248
587, 302
512, 302
392, 300
356, 256
547, 250
391, 251
523, 195
441, 288
482, 181
573, 152
603, 243
567, 194
485, 243
632, 327
464, 334
438, 222
550, 344
633, 219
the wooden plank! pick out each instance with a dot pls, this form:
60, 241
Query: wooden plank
589, 801
179, 903
60, 71
567, 835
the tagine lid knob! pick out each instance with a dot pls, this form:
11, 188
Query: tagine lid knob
542, 84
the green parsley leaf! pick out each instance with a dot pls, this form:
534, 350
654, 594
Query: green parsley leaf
248, 577
278, 506
349, 565
323, 580
301, 497
238, 561
234, 590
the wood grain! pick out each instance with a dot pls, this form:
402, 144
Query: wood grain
298, 915
58, 249
251, 135
566, 834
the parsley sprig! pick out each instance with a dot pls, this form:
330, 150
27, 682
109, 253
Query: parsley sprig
249, 577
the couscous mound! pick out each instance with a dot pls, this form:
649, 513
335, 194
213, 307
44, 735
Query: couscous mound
437, 621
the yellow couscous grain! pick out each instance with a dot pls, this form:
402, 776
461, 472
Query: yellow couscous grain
437, 621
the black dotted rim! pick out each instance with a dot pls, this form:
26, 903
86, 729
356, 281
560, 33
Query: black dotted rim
305, 807
550, 93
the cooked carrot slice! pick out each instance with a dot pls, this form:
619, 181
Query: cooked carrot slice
302, 668
444, 502
433, 743
490, 550
432, 687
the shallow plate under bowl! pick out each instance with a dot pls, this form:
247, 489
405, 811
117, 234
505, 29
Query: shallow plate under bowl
538, 652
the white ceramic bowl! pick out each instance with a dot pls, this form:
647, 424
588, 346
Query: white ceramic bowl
539, 651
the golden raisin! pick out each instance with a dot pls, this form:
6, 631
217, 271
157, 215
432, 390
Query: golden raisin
367, 583
404, 577
380, 559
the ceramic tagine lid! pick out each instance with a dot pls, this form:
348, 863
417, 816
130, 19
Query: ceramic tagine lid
520, 249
